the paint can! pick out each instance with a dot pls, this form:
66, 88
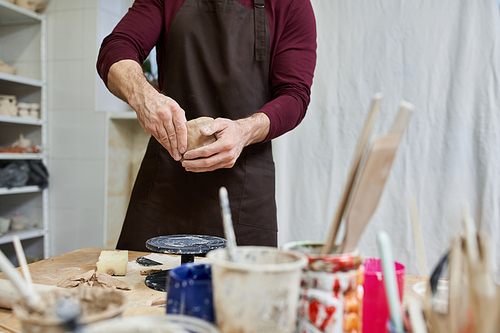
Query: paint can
331, 296
259, 291
189, 291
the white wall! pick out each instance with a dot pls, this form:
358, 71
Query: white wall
76, 128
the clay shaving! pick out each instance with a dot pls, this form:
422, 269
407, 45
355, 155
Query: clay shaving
93, 278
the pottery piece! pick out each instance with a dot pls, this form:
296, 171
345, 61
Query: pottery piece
22, 142
34, 110
23, 110
4, 225
8, 105
4, 68
28, 4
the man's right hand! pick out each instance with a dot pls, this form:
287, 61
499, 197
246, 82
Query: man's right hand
158, 114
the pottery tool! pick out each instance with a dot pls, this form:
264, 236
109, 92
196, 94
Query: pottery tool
372, 179
358, 154
228, 224
416, 316
143, 261
390, 282
21, 257
417, 236
32, 298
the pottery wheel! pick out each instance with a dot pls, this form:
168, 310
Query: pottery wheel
188, 246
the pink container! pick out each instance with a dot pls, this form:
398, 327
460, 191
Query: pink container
375, 307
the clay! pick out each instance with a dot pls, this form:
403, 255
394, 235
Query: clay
93, 278
195, 138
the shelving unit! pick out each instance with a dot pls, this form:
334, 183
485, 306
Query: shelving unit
23, 39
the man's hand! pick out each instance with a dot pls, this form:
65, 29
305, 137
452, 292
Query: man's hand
158, 114
232, 137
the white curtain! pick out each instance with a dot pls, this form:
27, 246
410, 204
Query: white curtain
444, 58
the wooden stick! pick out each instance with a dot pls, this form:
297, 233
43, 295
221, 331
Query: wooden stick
358, 154
21, 257
416, 316
9, 329
417, 236
33, 299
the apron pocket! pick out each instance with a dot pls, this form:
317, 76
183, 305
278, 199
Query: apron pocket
145, 176
258, 205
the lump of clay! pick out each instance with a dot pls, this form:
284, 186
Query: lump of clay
113, 262
195, 138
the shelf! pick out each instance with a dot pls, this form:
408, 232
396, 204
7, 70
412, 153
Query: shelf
20, 120
18, 190
26, 81
20, 156
23, 234
11, 14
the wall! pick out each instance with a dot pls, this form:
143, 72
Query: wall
76, 126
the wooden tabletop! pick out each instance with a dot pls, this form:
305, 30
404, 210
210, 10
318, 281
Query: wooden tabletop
52, 270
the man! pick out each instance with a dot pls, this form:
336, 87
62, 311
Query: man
247, 63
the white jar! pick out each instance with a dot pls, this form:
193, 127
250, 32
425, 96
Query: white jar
34, 110
23, 110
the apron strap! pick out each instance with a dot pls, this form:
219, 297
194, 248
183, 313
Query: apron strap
260, 29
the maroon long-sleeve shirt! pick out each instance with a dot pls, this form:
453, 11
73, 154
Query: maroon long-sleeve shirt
293, 51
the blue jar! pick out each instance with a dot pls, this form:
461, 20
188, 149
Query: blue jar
189, 291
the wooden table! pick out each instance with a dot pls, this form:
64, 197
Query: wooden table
52, 270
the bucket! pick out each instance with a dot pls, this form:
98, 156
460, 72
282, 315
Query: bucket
375, 304
258, 292
331, 297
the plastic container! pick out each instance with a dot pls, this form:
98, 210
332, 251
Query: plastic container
332, 290
153, 323
189, 291
258, 292
376, 309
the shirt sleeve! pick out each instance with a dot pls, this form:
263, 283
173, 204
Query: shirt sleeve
292, 69
134, 36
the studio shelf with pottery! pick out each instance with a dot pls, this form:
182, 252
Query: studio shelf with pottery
23, 128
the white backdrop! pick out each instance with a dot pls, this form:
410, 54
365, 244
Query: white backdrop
443, 57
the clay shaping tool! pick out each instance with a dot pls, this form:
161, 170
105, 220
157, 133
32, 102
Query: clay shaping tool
416, 316
358, 154
417, 236
390, 282
32, 298
21, 257
228, 224
372, 179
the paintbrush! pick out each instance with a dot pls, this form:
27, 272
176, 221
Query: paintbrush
390, 282
228, 224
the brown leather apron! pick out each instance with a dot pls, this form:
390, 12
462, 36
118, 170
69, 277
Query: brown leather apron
217, 65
